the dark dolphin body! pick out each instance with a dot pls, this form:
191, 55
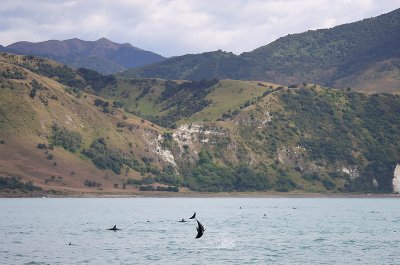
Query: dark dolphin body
193, 216
200, 229
114, 228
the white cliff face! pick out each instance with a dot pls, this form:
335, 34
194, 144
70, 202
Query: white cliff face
353, 172
187, 134
154, 145
396, 179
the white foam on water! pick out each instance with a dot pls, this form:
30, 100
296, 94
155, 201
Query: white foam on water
224, 242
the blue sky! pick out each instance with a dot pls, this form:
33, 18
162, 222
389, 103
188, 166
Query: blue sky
176, 27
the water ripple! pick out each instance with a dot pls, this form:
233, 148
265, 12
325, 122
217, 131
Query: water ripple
310, 234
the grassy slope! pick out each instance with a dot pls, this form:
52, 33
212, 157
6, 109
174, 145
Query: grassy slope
383, 76
25, 122
226, 95
229, 95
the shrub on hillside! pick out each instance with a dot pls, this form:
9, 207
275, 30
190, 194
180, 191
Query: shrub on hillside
91, 183
146, 188
209, 176
13, 183
169, 188
12, 74
103, 157
285, 184
42, 146
69, 140
159, 188
328, 184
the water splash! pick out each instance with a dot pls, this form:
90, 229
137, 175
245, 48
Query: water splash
224, 242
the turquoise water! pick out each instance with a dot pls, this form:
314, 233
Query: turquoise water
293, 231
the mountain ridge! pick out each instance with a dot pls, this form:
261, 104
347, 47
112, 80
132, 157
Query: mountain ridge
101, 55
334, 57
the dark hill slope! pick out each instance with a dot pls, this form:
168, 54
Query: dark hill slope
102, 55
327, 55
340, 57
208, 65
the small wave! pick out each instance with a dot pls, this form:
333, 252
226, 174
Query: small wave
24, 232
349, 242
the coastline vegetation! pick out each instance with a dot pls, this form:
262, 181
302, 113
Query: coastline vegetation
15, 183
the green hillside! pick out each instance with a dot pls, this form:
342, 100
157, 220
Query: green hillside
74, 130
208, 65
343, 56
170, 103
61, 138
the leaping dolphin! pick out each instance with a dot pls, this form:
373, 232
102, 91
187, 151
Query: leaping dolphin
193, 216
200, 229
114, 228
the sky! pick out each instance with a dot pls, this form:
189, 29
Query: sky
177, 27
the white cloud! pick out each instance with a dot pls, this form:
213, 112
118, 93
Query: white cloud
176, 27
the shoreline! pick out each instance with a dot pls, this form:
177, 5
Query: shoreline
19, 194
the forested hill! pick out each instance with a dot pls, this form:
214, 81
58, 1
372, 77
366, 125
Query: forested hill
102, 55
74, 130
363, 55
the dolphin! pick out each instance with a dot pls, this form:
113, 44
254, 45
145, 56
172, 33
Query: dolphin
200, 229
193, 216
183, 220
114, 228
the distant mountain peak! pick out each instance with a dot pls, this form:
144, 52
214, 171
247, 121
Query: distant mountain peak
102, 55
104, 40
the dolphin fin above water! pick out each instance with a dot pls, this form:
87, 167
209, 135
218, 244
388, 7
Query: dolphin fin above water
200, 229
114, 228
193, 216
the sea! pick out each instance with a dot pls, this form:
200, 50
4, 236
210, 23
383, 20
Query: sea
237, 231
